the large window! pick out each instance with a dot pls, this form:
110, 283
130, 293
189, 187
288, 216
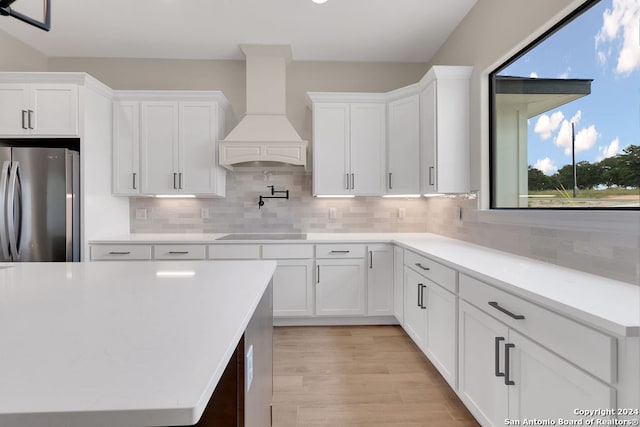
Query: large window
565, 122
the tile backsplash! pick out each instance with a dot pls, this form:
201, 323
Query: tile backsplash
238, 212
610, 255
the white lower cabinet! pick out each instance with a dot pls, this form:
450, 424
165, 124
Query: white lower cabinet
441, 345
380, 280
415, 314
430, 313
398, 283
293, 288
340, 287
504, 375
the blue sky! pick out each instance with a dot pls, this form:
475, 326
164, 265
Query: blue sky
602, 44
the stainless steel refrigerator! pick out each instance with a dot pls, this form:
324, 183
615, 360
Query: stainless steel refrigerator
39, 204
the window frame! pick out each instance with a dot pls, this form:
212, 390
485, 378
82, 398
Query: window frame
493, 125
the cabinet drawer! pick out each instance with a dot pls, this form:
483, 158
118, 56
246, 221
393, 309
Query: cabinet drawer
179, 252
436, 272
340, 251
287, 251
120, 252
581, 345
234, 251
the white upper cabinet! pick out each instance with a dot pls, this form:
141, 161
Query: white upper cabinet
403, 146
444, 111
126, 147
39, 109
166, 143
349, 134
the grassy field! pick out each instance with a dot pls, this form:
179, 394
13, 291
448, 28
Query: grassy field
590, 194
607, 198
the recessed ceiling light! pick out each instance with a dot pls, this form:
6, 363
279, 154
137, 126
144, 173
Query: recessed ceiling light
319, 1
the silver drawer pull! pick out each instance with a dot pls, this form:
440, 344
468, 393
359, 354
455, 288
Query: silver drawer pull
340, 252
178, 252
422, 266
119, 252
495, 305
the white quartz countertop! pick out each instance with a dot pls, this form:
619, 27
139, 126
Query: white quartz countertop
120, 343
606, 304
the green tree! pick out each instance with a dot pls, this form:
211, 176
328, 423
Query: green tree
538, 181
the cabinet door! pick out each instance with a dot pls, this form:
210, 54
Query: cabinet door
159, 147
340, 287
481, 357
428, 138
380, 280
54, 109
293, 288
126, 147
330, 148
367, 148
546, 386
198, 146
398, 283
403, 146
442, 330
14, 105
415, 313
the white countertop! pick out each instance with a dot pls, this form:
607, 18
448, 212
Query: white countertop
606, 304
120, 343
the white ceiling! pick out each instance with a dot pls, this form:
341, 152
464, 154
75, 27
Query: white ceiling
339, 30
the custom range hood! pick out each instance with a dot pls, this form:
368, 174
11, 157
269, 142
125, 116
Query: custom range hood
264, 137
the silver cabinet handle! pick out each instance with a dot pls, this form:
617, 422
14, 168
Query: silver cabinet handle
390, 186
134, 181
422, 288
340, 252
30, 114
180, 180
178, 252
431, 169
353, 181
422, 266
346, 182
119, 252
495, 305
24, 119
175, 175
419, 294
507, 377
318, 275
497, 357
370, 259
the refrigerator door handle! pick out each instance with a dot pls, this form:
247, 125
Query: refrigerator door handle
4, 241
14, 231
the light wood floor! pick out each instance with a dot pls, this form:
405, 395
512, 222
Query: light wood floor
357, 376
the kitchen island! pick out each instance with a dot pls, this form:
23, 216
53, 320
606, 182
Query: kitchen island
131, 343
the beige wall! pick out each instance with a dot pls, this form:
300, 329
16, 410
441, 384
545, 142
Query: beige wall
485, 40
229, 77
18, 56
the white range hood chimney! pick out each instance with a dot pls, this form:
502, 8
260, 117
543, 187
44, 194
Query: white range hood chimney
264, 136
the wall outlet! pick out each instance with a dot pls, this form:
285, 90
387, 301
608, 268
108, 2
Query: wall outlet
141, 214
333, 213
402, 213
204, 213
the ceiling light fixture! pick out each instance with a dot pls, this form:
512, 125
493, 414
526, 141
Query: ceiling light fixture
319, 1
175, 196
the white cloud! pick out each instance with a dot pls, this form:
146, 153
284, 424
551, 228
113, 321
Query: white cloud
610, 150
585, 137
621, 29
565, 75
546, 125
533, 75
546, 166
